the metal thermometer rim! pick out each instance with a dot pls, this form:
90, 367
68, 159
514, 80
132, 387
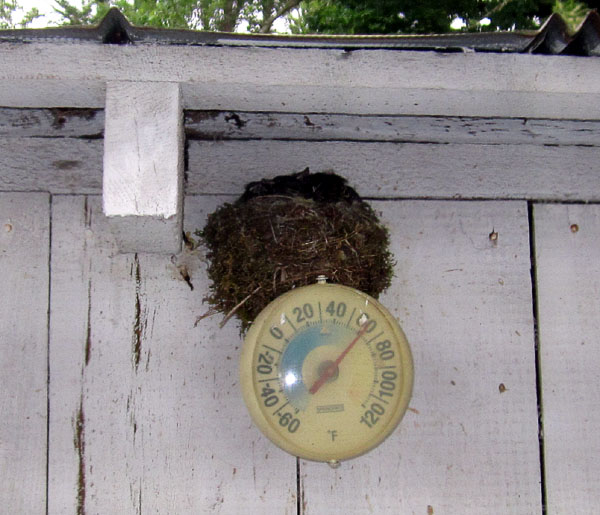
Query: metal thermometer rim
257, 411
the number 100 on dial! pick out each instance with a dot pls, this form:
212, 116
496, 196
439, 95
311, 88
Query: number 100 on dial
326, 372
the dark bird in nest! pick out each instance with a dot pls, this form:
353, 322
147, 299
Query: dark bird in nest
320, 187
283, 233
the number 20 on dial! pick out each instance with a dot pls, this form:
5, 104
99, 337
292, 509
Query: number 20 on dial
326, 372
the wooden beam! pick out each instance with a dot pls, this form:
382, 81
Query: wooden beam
308, 80
143, 165
385, 169
402, 170
88, 124
244, 125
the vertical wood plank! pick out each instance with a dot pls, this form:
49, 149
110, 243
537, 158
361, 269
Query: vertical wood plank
469, 442
567, 240
146, 416
24, 255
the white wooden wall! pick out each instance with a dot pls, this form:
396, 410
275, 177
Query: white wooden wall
112, 401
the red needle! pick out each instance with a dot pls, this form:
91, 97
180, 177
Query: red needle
330, 370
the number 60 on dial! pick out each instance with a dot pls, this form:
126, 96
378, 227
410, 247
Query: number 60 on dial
326, 372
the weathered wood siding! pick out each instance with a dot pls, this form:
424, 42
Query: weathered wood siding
384, 157
308, 80
469, 443
24, 286
115, 402
568, 271
146, 413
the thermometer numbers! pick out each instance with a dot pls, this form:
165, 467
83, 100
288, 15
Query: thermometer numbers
265, 363
387, 385
326, 372
385, 353
270, 399
287, 420
303, 313
269, 396
334, 310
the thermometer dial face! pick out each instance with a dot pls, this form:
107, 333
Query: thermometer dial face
326, 372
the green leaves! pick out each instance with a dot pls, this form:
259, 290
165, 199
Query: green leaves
314, 16
153, 13
571, 11
8, 8
74, 16
219, 15
428, 16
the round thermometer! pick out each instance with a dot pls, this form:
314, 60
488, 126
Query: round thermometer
326, 372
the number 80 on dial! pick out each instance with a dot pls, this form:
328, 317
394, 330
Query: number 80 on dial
326, 372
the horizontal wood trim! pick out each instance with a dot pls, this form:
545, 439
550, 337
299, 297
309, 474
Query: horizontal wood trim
383, 170
307, 80
400, 170
56, 165
51, 123
219, 125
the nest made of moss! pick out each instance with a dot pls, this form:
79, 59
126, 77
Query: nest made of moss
285, 232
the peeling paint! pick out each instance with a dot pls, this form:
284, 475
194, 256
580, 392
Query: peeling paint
88, 328
66, 164
61, 116
138, 322
79, 443
236, 119
87, 213
185, 275
300, 497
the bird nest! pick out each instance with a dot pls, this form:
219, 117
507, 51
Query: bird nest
285, 232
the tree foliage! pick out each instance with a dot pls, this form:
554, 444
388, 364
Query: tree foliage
572, 12
425, 16
8, 9
381, 16
315, 16
219, 15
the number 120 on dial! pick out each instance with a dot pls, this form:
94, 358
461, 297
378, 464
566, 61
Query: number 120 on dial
326, 372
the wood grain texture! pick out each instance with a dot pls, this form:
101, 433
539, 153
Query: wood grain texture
142, 179
568, 283
146, 416
388, 170
51, 123
392, 170
42, 74
56, 165
217, 125
24, 249
468, 443
143, 150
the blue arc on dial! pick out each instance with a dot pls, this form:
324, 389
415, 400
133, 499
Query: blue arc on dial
295, 353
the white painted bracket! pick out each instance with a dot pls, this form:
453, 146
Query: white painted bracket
142, 185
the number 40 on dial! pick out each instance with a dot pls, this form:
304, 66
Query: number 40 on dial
326, 372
